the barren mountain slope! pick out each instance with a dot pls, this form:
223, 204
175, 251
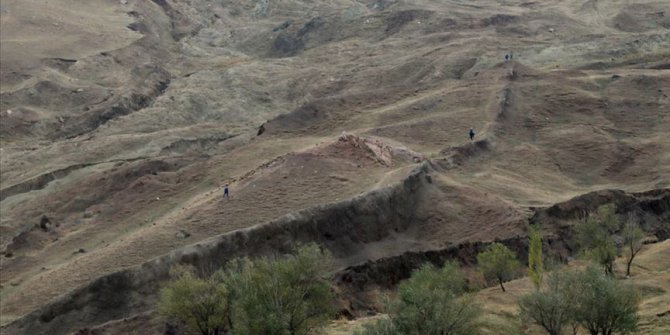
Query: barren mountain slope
121, 120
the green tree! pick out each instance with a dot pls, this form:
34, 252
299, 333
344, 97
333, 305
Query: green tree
498, 263
200, 303
632, 241
605, 305
535, 262
595, 237
231, 278
284, 295
430, 303
550, 309
595, 301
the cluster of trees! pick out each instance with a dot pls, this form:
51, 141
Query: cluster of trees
288, 295
431, 302
589, 299
596, 237
273, 296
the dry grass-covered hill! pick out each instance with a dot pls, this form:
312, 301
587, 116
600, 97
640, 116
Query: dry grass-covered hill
342, 122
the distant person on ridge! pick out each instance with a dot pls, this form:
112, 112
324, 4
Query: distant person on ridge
225, 191
472, 134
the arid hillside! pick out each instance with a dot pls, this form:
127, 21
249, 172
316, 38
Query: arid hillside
343, 122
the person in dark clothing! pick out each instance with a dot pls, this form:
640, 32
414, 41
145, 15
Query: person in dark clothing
506, 57
225, 191
472, 134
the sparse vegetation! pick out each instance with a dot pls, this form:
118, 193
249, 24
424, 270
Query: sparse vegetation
201, 304
266, 296
431, 302
550, 309
119, 120
604, 305
285, 295
595, 237
589, 299
535, 261
498, 263
632, 240
380, 327
545, 309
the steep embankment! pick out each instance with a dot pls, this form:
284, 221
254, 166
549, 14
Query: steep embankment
651, 209
121, 120
344, 228
354, 231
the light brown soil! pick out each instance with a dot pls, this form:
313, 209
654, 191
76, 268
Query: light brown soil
121, 122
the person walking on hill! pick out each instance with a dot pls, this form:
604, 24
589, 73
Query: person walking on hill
225, 191
472, 134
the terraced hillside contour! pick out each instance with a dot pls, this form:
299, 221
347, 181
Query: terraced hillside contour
342, 122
